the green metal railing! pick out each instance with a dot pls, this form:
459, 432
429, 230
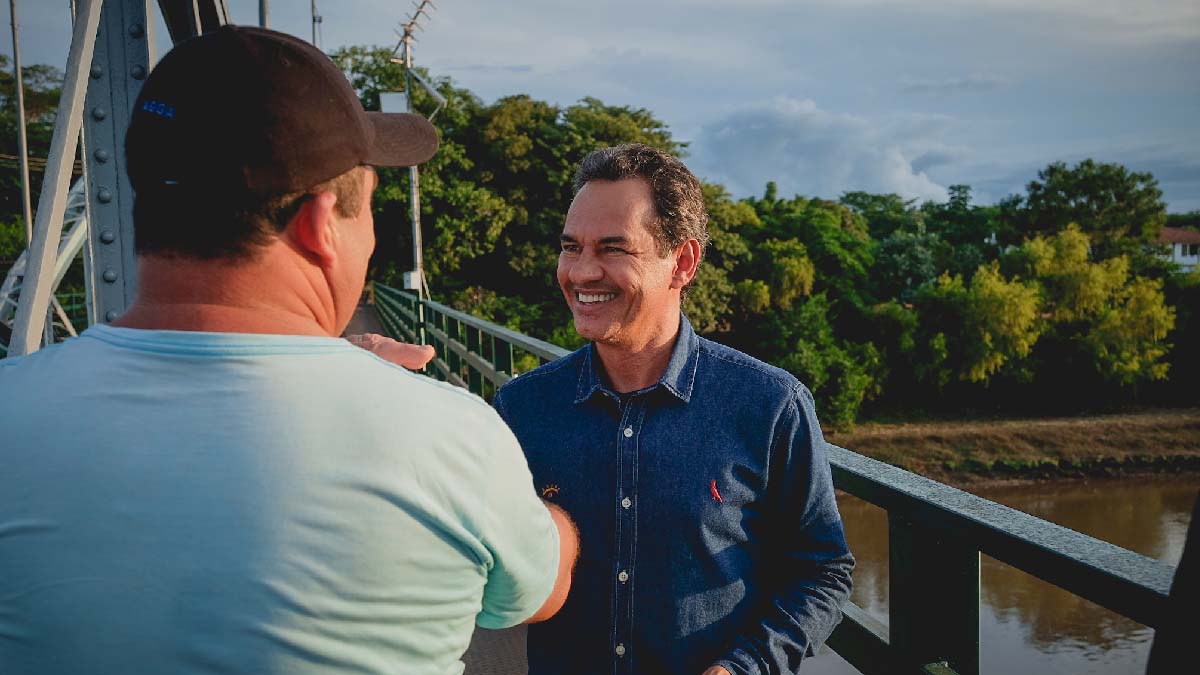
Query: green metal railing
471, 353
74, 304
936, 533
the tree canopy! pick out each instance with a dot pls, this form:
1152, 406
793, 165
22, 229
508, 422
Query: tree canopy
1052, 300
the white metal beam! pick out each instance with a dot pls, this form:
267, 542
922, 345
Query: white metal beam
36, 287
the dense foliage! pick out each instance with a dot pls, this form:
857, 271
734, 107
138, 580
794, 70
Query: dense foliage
1051, 301
1055, 300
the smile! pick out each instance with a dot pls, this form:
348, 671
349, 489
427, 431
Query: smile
594, 298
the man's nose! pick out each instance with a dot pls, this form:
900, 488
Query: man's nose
586, 268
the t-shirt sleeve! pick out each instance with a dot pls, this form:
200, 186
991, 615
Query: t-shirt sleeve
521, 537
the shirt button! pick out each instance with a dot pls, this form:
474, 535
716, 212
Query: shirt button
620, 650
628, 432
626, 503
623, 576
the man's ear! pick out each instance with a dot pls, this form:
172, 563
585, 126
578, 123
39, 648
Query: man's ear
687, 261
313, 230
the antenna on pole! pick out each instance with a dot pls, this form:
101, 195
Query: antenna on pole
407, 36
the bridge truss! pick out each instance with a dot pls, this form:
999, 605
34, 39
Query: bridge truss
112, 51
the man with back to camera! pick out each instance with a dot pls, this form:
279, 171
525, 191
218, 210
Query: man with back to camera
697, 475
218, 483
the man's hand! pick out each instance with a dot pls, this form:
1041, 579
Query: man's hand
413, 357
716, 670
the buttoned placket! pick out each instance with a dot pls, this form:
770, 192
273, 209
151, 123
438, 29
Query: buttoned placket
628, 432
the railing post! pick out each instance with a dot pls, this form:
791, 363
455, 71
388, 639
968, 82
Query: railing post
502, 356
475, 346
453, 332
419, 329
933, 597
438, 321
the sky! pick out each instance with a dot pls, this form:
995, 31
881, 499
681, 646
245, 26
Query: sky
820, 96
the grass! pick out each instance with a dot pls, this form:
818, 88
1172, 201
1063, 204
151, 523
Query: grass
1159, 440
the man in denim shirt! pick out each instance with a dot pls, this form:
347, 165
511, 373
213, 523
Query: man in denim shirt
711, 541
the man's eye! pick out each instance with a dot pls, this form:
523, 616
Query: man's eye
570, 248
614, 249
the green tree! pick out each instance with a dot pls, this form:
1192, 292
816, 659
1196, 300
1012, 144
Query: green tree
1099, 317
1121, 211
969, 333
905, 261
885, 214
42, 85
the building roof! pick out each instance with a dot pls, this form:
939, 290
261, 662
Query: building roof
1178, 235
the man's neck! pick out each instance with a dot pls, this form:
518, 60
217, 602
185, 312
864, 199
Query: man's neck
631, 368
272, 295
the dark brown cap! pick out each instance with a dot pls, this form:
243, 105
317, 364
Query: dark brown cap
254, 110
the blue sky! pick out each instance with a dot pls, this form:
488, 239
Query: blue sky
822, 96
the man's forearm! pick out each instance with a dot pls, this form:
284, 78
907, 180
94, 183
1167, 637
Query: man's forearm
568, 554
800, 617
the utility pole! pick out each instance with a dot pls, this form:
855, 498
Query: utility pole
411, 78
316, 21
262, 14
22, 141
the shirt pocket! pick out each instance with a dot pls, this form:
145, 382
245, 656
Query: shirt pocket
729, 505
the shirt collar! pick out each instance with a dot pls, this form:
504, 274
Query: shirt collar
678, 378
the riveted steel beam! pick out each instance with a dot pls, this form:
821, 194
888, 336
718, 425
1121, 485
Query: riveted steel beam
118, 68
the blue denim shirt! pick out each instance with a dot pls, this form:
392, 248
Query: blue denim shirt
709, 531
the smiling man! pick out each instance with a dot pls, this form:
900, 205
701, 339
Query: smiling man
697, 474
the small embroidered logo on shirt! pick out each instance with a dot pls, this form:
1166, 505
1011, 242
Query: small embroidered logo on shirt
550, 491
716, 495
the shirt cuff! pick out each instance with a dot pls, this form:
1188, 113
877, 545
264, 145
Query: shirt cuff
737, 667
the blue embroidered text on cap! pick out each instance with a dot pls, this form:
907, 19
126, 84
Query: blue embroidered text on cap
159, 108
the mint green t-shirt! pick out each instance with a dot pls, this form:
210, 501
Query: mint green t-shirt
185, 502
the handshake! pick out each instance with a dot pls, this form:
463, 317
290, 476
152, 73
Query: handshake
413, 357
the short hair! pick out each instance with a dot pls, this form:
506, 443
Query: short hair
678, 200
173, 221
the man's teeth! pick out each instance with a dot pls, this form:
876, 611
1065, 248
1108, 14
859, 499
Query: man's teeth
595, 297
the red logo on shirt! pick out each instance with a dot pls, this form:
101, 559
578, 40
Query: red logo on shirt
716, 495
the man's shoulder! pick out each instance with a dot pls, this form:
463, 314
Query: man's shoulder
729, 366
561, 373
46, 357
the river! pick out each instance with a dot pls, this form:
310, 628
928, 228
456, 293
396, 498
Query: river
1026, 625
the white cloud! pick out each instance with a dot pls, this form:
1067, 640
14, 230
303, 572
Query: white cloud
810, 151
953, 85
